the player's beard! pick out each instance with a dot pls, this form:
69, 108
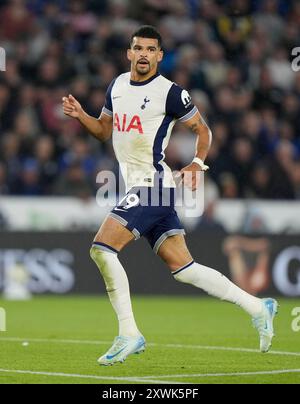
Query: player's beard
143, 69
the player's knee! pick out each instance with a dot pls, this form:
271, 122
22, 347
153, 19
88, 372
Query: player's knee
97, 255
176, 264
181, 275
93, 253
173, 266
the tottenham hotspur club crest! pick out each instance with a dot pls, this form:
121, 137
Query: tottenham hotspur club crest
145, 102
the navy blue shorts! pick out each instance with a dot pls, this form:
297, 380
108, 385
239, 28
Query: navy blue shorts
149, 212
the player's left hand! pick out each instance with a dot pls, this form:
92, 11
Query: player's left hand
189, 176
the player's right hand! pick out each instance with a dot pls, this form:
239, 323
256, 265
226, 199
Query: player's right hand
71, 106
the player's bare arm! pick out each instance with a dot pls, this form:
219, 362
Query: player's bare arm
204, 136
100, 128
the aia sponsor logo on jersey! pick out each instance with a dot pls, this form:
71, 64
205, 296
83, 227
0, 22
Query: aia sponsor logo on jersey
126, 123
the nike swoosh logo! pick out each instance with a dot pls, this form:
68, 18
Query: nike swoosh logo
112, 356
121, 210
118, 96
141, 344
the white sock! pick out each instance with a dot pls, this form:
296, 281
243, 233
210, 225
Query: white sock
217, 285
117, 287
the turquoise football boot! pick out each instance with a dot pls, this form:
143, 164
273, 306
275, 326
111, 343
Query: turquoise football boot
264, 323
121, 348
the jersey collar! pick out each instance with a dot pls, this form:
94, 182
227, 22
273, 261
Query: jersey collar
143, 83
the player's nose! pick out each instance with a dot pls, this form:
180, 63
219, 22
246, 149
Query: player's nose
144, 54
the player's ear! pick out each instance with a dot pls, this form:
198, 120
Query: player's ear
160, 56
129, 54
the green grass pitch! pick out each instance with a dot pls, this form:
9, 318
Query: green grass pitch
189, 340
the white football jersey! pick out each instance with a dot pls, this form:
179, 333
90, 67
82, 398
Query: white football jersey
144, 114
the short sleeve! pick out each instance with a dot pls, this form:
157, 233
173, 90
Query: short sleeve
108, 109
179, 104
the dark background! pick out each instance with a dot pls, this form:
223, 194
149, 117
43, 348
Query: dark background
146, 272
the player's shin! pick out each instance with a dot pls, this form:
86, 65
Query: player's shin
117, 287
217, 285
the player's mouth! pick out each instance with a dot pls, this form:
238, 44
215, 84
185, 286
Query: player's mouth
143, 63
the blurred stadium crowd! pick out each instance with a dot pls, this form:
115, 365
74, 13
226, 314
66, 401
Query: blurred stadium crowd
233, 56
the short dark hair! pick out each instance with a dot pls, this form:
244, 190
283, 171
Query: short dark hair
147, 31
